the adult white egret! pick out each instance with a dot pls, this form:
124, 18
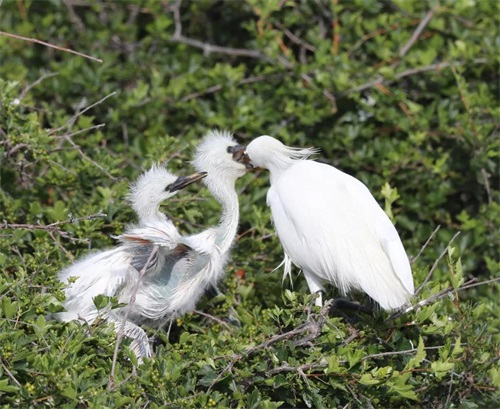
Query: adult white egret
115, 272
331, 226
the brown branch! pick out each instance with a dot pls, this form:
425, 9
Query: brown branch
53, 227
294, 38
416, 33
421, 287
218, 320
312, 326
207, 48
121, 333
34, 40
409, 72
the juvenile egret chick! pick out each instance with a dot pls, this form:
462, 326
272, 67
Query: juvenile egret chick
214, 155
115, 272
331, 226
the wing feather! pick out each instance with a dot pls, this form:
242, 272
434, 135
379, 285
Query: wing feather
329, 225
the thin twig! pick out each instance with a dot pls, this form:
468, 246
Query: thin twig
10, 374
294, 38
426, 244
34, 40
53, 227
206, 47
121, 333
416, 33
218, 320
87, 158
390, 353
411, 71
38, 81
443, 293
216, 88
429, 274
81, 112
313, 327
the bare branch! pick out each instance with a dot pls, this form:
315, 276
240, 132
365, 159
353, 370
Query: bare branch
409, 72
38, 81
416, 33
9, 373
443, 293
218, 320
426, 244
53, 227
74, 117
34, 40
207, 48
390, 353
294, 38
312, 326
84, 156
421, 287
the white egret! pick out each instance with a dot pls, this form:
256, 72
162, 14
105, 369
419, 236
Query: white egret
201, 257
182, 269
115, 272
331, 226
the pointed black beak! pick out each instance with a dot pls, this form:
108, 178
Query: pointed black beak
240, 156
183, 181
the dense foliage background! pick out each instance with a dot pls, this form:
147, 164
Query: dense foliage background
401, 94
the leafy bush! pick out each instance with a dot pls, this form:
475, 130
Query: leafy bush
400, 94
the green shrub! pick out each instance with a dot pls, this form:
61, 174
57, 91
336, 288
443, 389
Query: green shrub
401, 94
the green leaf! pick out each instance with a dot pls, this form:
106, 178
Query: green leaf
254, 399
5, 387
441, 368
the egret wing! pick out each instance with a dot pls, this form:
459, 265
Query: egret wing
329, 224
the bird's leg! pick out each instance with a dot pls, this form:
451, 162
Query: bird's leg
315, 287
140, 341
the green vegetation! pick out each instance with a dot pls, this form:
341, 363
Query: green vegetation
401, 94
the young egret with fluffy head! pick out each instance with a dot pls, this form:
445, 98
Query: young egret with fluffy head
214, 155
331, 226
115, 272
182, 269
200, 258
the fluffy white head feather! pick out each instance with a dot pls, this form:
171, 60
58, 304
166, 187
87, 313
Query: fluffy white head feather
214, 155
266, 151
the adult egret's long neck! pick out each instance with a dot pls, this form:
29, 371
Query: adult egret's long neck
225, 193
276, 168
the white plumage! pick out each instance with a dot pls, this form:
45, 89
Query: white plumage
183, 267
115, 272
331, 226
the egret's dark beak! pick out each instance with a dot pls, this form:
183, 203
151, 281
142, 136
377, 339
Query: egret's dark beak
183, 181
240, 156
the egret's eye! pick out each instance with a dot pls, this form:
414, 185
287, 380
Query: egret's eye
229, 149
169, 187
